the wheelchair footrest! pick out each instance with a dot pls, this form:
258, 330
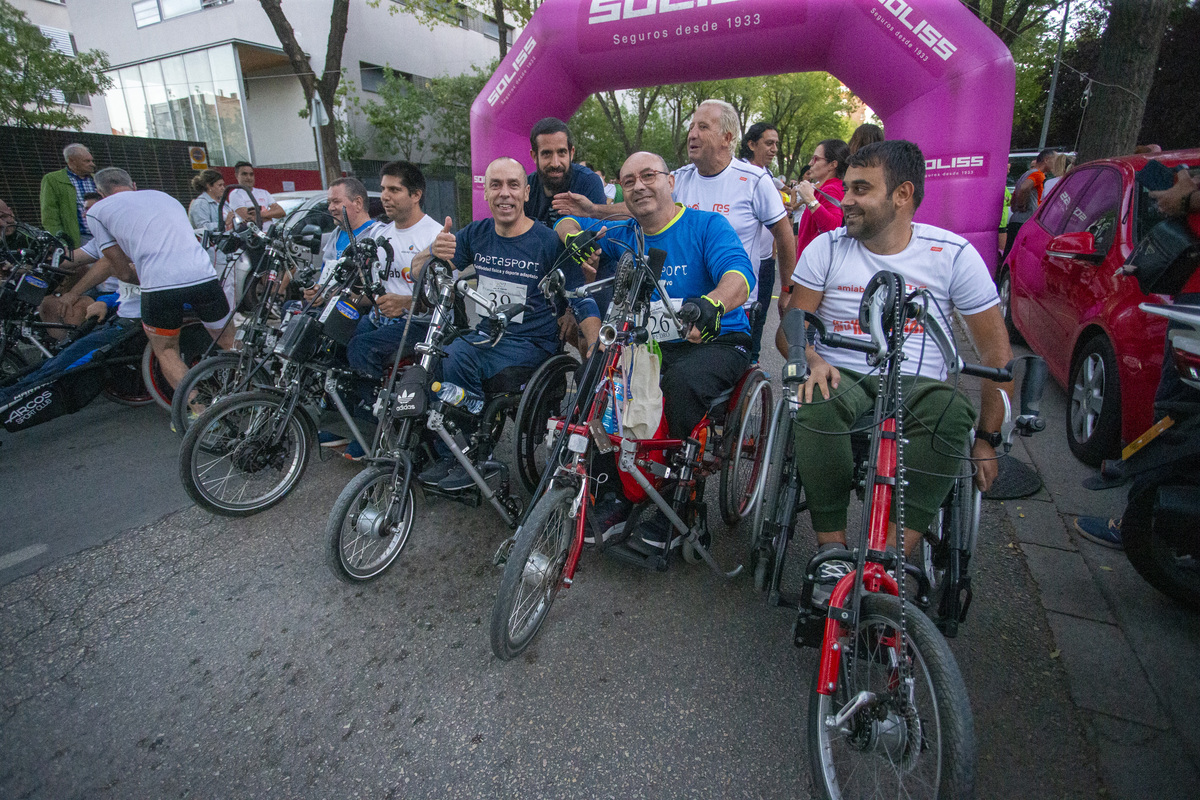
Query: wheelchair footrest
809, 628
621, 552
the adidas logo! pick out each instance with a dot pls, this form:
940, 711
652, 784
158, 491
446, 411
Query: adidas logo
405, 397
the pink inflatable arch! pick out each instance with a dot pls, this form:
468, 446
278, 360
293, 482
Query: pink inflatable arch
933, 72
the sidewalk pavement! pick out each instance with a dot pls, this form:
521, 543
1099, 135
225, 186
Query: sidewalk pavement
1132, 655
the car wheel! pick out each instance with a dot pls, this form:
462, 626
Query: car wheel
1094, 403
1004, 289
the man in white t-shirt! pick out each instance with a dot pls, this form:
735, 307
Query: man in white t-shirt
885, 183
410, 230
151, 229
245, 196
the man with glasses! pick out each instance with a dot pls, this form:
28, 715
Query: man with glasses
706, 265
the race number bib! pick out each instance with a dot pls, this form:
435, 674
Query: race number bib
660, 325
128, 291
501, 293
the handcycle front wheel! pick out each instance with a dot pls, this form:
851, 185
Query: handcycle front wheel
745, 447
533, 573
231, 461
897, 744
366, 529
547, 393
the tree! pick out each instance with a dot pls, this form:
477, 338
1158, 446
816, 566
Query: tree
431, 13
1012, 19
36, 78
398, 120
325, 87
1123, 76
1172, 117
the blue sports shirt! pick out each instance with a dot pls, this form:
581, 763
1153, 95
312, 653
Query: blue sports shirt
701, 248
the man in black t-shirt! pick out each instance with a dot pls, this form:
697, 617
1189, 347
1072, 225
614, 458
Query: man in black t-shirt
553, 149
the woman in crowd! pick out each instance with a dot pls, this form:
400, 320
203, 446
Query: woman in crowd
209, 186
864, 135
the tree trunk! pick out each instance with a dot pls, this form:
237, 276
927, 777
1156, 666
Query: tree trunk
1128, 55
501, 27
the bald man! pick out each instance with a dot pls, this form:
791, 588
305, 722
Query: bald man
511, 254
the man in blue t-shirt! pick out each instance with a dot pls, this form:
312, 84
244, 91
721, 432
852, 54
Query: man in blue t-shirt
553, 148
510, 254
705, 264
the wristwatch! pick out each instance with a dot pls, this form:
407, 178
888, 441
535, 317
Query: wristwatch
813, 204
991, 437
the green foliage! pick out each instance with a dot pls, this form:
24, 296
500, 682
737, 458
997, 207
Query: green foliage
397, 120
31, 71
807, 107
451, 117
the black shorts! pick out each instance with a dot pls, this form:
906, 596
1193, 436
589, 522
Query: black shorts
162, 309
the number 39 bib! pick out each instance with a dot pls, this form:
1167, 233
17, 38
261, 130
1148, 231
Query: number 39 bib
660, 325
501, 293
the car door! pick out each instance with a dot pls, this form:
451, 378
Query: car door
1030, 298
1077, 287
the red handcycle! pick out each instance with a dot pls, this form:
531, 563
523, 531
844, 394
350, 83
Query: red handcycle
889, 714
542, 555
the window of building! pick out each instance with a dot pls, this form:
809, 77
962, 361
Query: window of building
148, 12
371, 77
64, 42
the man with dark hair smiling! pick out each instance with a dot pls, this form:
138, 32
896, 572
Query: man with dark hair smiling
553, 149
885, 183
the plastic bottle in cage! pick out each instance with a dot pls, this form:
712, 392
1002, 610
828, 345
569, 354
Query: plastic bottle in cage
611, 420
458, 396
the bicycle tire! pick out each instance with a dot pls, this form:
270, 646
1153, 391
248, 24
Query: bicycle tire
741, 468
194, 341
211, 379
780, 458
12, 364
1151, 546
363, 543
220, 434
886, 749
546, 393
550, 528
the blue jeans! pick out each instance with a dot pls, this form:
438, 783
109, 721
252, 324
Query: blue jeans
60, 363
766, 285
468, 367
373, 347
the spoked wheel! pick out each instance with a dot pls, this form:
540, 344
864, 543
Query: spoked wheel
368, 526
548, 393
209, 381
194, 342
741, 469
242, 456
875, 736
777, 506
533, 573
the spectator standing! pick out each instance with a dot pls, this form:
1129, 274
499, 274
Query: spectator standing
759, 147
864, 135
242, 202
1027, 196
62, 195
203, 212
822, 211
553, 149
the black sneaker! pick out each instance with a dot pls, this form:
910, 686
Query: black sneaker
652, 535
435, 472
827, 574
457, 478
610, 513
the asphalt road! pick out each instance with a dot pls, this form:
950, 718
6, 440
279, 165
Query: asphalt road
203, 656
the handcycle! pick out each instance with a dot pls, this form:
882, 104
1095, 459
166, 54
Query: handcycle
372, 518
542, 556
889, 713
248, 451
35, 272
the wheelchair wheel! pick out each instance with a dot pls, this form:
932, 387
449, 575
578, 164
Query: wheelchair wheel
211, 379
194, 342
548, 393
777, 506
12, 364
946, 555
745, 447
533, 573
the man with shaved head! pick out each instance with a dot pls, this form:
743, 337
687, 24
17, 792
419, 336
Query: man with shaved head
706, 264
510, 254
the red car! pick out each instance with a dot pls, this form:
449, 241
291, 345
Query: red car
1063, 291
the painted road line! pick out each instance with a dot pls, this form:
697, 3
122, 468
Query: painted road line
24, 554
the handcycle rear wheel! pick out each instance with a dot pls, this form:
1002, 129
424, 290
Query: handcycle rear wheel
366, 533
211, 379
547, 392
533, 573
228, 462
194, 342
745, 447
895, 745
775, 510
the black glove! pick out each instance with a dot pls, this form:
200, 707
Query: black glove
580, 246
709, 323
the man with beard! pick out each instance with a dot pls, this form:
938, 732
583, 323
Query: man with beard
885, 183
553, 149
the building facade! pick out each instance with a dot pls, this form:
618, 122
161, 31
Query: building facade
214, 70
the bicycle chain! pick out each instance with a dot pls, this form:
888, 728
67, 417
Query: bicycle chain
898, 504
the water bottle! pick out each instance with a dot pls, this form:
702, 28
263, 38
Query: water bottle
458, 396
611, 414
